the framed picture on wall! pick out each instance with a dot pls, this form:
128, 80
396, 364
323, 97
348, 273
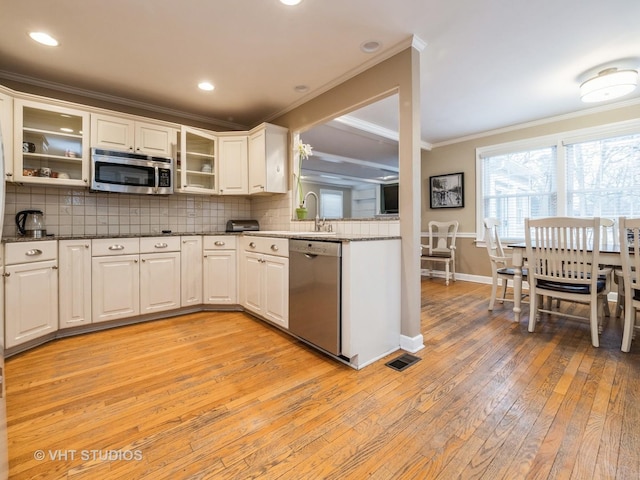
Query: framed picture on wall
446, 191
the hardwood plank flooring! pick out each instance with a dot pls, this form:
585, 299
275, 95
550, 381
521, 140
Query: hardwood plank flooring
225, 396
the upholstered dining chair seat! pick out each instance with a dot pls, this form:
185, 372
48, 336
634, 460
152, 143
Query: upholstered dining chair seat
569, 288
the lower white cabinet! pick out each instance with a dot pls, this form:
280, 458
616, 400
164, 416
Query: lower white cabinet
74, 283
31, 291
115, 279
264, 278
159, 274
191, 270
220, 279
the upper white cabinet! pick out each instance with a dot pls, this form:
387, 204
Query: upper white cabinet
50, 144
121, 133
6, 126
233, 163
196, 166
268, 159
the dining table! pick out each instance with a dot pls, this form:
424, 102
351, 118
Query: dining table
609, 256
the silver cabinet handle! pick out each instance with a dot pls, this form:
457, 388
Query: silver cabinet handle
116, 247
252, 245
161, 245
274, 247
33, 252
219, 244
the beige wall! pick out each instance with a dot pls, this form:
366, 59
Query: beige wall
461, 157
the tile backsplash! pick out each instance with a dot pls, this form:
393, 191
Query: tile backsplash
78, 212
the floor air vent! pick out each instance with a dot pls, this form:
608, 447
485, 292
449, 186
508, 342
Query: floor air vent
402, 362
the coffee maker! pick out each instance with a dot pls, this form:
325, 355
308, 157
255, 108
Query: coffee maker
30, 223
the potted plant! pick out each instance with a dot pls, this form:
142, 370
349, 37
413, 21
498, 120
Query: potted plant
304, 151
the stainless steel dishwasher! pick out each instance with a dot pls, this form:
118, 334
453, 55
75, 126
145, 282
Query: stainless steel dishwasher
315, 269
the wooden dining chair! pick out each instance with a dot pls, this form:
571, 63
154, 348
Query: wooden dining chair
629, 234
501, 263
562, 254
441, 247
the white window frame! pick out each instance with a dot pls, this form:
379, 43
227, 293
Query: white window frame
559, 140
324, 193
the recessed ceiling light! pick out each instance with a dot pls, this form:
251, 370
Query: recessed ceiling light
44, 39
371, 46
205, 86
301, 88
290, 2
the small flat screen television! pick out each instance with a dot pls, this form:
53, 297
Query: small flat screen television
389, 198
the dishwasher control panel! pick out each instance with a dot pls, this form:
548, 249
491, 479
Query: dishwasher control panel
312, 247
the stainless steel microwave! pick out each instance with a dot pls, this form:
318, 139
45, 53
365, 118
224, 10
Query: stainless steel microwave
126, 172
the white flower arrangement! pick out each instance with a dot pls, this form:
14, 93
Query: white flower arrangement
304, 151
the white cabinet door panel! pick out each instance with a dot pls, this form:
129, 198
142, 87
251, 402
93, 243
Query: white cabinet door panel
115, 287
159, 282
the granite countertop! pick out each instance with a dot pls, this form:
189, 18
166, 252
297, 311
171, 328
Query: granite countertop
325, 236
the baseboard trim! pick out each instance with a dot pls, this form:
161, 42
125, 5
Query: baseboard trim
412, 344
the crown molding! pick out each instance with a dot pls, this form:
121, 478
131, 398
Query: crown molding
542, 121
117, 100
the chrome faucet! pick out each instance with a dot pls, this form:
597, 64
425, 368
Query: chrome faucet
316, 226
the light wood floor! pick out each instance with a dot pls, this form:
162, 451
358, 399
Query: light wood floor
221, 395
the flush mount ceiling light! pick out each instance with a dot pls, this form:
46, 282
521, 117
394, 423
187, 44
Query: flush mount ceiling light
44, 39
301, 88
206, 86
609, 84
290, 2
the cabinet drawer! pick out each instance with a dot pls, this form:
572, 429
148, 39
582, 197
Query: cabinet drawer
27, 252
268, 245
159, 244
219, 242
115, 246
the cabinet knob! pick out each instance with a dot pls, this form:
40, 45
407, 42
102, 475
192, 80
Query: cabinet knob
9, 174
143, 260
55, 267
274, 247
6, 274
252, 245
86, 245
136, 261
85, 180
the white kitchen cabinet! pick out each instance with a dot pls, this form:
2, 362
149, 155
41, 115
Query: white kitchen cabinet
220, 279
264, 278
50, 144
31, 291
74, 285
268, 159
122, 133
233, 162
196, 166
6, 124
159, 274
191, 270
115, 278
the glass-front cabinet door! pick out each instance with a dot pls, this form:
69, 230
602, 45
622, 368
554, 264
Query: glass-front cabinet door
196, 166
51, 144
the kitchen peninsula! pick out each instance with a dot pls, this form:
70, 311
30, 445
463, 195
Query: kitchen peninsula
89, 283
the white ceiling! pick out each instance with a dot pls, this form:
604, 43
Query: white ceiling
488, 64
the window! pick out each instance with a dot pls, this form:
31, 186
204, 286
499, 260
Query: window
330, 203
592, 172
